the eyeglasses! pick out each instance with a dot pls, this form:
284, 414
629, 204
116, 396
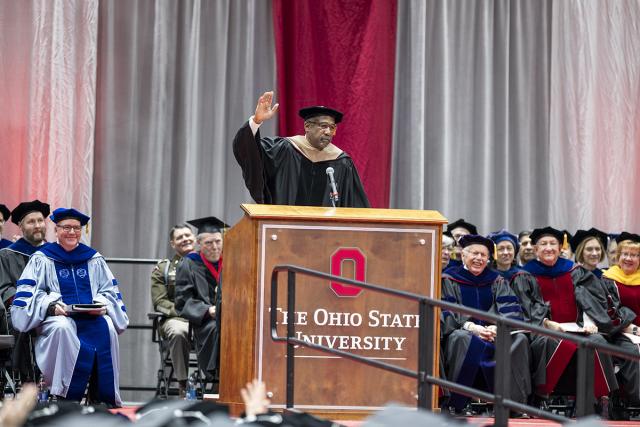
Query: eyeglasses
629, 255
325, 126
476, 254
70, 228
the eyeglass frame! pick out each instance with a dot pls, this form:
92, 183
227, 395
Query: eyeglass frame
67, 228
324, 125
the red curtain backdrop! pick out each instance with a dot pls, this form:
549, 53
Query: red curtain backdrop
341, 54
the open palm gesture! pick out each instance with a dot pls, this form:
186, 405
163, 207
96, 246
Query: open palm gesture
264, 109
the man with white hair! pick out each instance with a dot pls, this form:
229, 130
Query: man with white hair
468, 342
198, 291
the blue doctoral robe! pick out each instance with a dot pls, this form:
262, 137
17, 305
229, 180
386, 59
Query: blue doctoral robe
68, 348
468, 359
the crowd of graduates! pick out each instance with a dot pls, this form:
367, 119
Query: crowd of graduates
552, 279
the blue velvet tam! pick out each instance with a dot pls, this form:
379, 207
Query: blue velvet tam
474, 239
582, 235
65, 213
504, 235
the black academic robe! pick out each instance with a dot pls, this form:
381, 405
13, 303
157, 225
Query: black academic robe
13, 259
275, 172
622, 312
196, 291
468, 359
563, 293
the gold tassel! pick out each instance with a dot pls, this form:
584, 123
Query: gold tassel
86, 228
565, 242
495, 252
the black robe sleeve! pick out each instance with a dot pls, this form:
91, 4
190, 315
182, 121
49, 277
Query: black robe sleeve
449, 320
351, 189
618, 316
248, 153
505, 303
526, 288
10, 271
593, 300
188, 302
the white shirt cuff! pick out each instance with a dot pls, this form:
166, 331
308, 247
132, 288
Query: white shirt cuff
253, 125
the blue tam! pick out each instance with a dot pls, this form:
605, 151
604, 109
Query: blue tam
65, 213
504, 235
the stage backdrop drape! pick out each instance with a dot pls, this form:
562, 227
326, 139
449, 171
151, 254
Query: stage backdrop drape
594, 149
175, 82
471, 112
47, 87
341, 54
508, 113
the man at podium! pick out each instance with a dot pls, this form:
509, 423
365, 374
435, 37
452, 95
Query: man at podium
303, 170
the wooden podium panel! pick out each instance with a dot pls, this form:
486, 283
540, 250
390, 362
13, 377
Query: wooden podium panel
392, 248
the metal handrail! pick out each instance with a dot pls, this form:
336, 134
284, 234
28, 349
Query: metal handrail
135, 261
424, 375
132, 260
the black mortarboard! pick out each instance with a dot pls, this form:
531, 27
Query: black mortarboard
628, 236
6, 213
582, 235
462, 223
546, 231
25, 208
64, 213
209, 224
474, 239
310, 112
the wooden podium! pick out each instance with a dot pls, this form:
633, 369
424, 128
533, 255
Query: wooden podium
399, 249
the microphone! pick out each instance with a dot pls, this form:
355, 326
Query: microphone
334, 192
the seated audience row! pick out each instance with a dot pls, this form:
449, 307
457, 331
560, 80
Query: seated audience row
550, 291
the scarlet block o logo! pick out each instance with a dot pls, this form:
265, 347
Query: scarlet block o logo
360, 264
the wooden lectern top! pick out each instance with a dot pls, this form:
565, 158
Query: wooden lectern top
314, 213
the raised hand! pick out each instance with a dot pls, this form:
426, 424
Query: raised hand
264, 109
256, 400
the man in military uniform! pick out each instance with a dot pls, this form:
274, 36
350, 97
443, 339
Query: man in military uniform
174, 329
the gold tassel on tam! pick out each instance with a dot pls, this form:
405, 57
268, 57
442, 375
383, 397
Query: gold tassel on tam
495, 252
565, 242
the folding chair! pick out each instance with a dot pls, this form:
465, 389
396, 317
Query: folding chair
167, 384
